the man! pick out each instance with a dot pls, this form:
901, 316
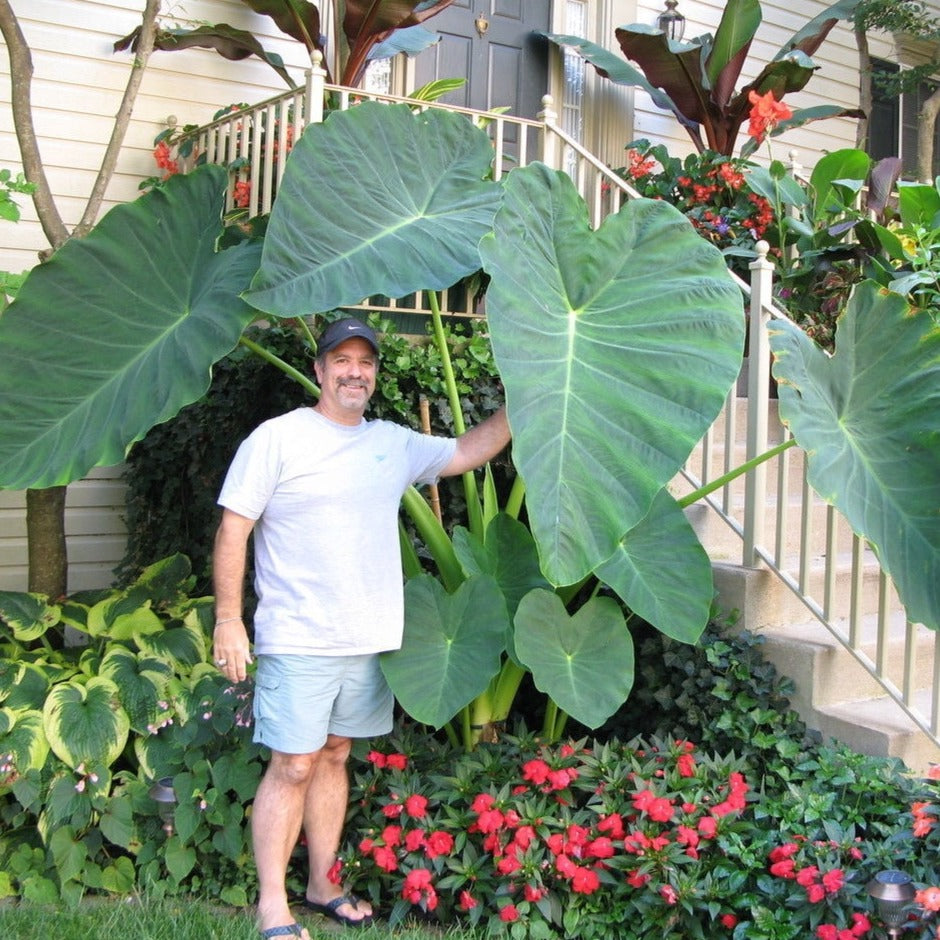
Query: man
320, 487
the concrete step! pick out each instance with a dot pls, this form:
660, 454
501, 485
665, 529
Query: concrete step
833, 693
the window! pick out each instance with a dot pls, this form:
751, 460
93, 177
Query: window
892, 129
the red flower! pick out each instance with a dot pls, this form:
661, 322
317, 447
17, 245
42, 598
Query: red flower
729, 921
765, 114
612, 825
334, 875
807, 876
637, 879
391, 836
601, 847
585, 881
833, 880
418, 888
392, 810
815, 893
396, 761
467, 901
377, 758
783, 869
707, 827
860, 924
535, 771
416, 805
685, 764
928, 898
827, 932
241, 195
414, 840
533, 893
784, 851
438, 843
508, 914
384, 857
668, 894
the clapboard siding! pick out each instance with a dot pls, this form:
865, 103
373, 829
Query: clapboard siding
95, 532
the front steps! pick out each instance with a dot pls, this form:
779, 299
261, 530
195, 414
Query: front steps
834, 694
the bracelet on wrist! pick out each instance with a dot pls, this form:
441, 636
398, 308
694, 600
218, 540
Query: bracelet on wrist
227, 620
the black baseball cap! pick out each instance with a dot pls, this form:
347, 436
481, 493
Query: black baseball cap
341, 330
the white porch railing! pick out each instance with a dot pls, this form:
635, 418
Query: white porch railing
782, 524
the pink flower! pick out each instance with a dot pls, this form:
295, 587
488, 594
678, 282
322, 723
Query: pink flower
815, 893
391, 836
384, 857
668, 893
533, 893
508, 914
612, 825
414, 840
685, 764
637, 879
807, 876
535, 771
827, 932
377, 758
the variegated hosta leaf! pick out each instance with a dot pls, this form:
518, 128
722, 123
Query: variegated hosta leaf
85, 723
28, 685
124, 616
141, 683
23, 744
28, 615
183, 646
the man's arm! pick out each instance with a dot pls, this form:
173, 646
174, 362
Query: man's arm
230, 646
479, 444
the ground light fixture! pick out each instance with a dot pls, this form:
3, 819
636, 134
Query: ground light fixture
163, 794
892, 891
671, 21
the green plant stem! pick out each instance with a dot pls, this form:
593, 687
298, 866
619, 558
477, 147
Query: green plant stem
435, 538
721, 481
275, 360
507, 684
474, 509
516, 497
305, 330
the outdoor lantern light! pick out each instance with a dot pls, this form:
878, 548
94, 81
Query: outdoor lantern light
164, 795
892, 890
671, 21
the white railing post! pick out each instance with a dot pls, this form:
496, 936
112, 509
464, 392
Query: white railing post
549, 154
316, 87
758, 402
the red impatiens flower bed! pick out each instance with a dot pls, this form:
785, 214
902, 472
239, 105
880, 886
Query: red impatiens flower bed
530, 840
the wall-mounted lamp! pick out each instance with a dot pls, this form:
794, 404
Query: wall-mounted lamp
892, 891
163, 794
482, 24
671, 21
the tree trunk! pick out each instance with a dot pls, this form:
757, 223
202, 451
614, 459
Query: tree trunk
925, 135
48, 561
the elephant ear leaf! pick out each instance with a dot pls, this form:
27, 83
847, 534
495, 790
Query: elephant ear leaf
617, 348
85, 723
330, 244
867, 419
584, 663
143, 302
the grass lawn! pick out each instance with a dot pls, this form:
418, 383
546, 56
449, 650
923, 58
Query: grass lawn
166, 920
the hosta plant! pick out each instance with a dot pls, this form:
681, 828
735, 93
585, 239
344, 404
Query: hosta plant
88, 725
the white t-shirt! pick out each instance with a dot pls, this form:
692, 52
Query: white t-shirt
327, 558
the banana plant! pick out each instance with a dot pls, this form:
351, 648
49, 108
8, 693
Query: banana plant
696, 80
616, 348
364, 31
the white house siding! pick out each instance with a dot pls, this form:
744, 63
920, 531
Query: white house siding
78, 83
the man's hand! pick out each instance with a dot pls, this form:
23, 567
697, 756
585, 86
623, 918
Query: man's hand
231, 650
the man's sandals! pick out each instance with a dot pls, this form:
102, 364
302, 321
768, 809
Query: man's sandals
330, 909
288, 930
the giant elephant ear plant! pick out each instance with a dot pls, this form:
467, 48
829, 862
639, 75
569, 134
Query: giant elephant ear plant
616, 348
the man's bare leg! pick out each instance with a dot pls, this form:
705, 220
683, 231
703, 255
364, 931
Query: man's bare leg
324, 812
276, 819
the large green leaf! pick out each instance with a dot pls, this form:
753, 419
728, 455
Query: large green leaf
867, 418
662, 573
141, 684
331, 242
452, 647
583, 663
85, 723
507, 552
617, 349
118, 331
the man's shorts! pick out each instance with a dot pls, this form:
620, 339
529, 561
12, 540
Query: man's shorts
299, 700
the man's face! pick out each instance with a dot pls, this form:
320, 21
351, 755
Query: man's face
347, 380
